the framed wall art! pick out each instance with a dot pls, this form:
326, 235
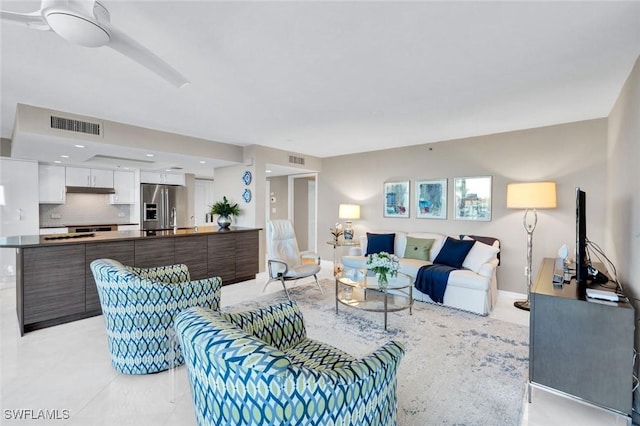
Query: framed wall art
431, 199
472, 198
396, 199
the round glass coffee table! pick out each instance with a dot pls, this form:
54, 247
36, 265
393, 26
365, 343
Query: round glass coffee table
361, 291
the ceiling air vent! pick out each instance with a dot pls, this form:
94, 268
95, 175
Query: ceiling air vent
296, 160
75, 125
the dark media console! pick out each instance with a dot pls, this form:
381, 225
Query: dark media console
580, 347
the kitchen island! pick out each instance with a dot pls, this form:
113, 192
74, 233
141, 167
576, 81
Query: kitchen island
54, 283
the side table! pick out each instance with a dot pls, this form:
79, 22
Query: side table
337, 267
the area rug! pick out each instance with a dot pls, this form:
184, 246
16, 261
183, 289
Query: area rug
459, 368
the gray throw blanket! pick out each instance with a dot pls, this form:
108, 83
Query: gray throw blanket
432, 280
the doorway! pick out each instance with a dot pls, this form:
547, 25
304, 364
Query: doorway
303, 199
292, 195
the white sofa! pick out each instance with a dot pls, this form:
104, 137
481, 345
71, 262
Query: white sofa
473, 288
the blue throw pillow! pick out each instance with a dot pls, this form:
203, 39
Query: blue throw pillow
377, 243
453, 252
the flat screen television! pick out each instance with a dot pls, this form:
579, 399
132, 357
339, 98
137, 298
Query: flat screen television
582, 259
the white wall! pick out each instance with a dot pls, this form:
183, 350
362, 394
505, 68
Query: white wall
571, 154
623, 189
19, 214
228, 182
623, 195
280, 191
259, 156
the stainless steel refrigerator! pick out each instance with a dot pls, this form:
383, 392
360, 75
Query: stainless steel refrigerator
163, 206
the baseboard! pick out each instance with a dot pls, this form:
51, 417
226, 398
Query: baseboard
511, 295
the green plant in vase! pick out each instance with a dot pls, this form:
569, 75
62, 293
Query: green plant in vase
384, 265
225, 210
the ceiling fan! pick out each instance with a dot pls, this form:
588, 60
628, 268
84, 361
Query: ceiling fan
88, 23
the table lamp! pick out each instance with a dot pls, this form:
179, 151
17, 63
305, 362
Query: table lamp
530, 196
349, 212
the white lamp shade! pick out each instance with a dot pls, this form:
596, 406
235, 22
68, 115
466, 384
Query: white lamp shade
531, 195
349, 211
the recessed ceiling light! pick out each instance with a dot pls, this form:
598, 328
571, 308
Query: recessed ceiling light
150, 155
203, 162
64, 156
79, 146
268, 171
57, 161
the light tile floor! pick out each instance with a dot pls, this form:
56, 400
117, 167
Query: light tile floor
67, 367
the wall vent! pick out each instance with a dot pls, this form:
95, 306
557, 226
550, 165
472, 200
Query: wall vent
77, 126
296, 160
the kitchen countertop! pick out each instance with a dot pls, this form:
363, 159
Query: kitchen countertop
64, 225
40, 241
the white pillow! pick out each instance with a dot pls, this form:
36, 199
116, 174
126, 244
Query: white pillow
479, 254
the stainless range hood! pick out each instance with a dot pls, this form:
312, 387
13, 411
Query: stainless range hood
89, 190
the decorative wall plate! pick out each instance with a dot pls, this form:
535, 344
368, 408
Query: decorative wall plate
246, 195
246, 177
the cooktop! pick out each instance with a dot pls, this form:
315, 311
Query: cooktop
69, 235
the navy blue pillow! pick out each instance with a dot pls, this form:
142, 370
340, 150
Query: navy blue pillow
453, 252
377, 243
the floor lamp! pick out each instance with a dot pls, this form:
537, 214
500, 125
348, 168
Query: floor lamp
530, 196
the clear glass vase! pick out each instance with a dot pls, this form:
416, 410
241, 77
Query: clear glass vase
383, 279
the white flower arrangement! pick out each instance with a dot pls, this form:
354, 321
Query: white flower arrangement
383, 264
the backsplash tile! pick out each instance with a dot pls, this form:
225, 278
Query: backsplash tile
85, 209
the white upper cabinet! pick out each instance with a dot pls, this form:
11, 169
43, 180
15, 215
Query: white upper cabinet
124, 184
94, 178
78, 176
101, 178
174, 179
162, 178
51, 184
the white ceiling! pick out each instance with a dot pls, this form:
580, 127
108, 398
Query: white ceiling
332, 78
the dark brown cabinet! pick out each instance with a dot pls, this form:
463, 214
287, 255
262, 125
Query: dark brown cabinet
53, 282
221, 257
246, 256
122, 251
192, 252
55, 285
154, 252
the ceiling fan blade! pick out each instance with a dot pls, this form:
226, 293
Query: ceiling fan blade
137, 52
85, 7
31, 20
53, 3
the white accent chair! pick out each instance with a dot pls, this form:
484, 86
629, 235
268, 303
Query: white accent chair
285, 261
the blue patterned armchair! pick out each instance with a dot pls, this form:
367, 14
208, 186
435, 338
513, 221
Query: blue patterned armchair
259, 368
139, 307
